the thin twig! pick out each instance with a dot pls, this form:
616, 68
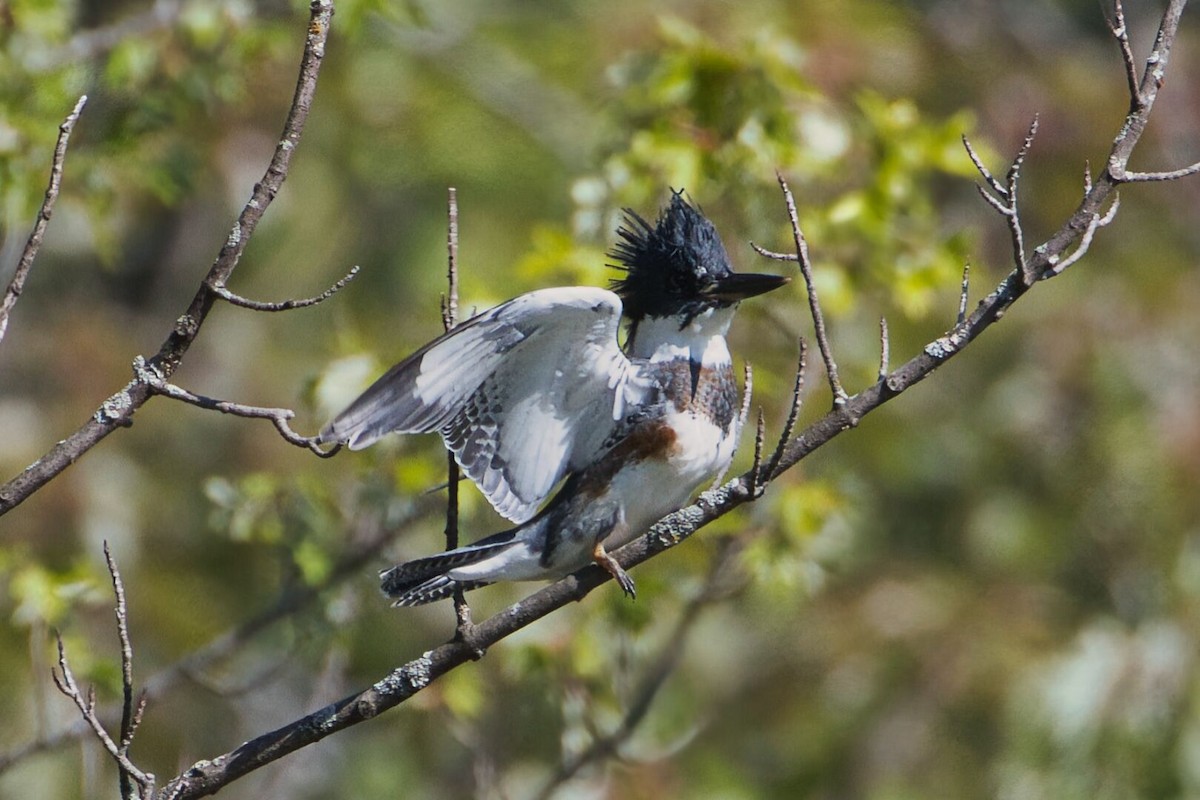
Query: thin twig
1085, 241
1120, 32
995, 185
747, 395
884, 348
1001, 206
814, 303
129, 716
220, 290
278, 416
450, 301
17, 284
789, 427
1013, 215
462, 611
762, 251
964, 294
755, 473
1147, 177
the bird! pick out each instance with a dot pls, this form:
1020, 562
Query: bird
538, 393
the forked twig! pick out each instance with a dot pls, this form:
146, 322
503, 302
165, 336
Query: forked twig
131, 711
1003, 197
1143, 91
64, 679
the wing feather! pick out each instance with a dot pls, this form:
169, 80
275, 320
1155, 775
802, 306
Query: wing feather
522, 394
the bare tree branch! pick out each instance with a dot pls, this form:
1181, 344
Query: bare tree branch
1144, 93
118, 410
207, 777
17, 284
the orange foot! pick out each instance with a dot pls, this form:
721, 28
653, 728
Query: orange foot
610, 565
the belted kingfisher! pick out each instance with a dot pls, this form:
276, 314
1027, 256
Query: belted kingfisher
538, 390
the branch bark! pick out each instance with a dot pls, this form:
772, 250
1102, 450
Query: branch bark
118, 410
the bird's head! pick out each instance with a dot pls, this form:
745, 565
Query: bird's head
678, 267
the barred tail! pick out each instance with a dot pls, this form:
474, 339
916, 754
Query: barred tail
425, 580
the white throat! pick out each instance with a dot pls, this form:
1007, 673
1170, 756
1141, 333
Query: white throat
702, 340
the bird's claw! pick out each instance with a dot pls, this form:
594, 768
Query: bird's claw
626, 583
610, 565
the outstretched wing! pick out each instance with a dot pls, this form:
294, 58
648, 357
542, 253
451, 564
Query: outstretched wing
522, 394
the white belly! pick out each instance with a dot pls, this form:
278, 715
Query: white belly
650, 489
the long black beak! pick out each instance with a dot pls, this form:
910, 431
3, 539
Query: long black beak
740, 285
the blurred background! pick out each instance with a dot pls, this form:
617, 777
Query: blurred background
989, 589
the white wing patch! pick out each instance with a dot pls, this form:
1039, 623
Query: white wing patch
522, 394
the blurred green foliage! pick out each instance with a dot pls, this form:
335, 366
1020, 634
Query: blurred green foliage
988, 589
